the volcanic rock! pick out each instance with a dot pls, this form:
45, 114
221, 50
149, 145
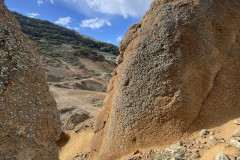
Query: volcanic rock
222, 156
178, 72
29, 121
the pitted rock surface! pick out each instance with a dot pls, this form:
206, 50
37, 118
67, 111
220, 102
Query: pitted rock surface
29, 121
177, 72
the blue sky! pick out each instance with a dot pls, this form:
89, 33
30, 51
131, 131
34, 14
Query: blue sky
104, 20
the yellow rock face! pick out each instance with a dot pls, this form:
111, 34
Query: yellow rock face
178, 72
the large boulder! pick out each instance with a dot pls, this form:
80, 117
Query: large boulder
29, 120
178, 72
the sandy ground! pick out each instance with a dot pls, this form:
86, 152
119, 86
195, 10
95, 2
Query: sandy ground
225, 131
82, 99
80, 142
77, 89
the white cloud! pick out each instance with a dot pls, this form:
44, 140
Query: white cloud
125, 8
119, 38
40, 2
13, 9
95, 23
64, 20
33, 15
76, 28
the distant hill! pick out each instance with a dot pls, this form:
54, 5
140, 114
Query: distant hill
53, 41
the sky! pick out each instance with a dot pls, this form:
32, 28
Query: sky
104, 20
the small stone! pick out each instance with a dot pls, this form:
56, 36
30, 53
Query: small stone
178, 156
196, 150
206, 147
175, 147
222, 141
157, 157
197, 142
232, 157
236, 132
211, 133
212, 142
189, 151
195, 155
234, 142
180, 143
221, 156
237, 122
150, 152
21, 79
136, 152
203, 132
190, 147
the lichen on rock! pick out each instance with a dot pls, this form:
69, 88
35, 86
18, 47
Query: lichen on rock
29, 121
176, 68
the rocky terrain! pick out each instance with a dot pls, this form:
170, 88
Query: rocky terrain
78, 69
29, 121
57, 44
177, 74
173, 96
79, 96
218, 143
78, 84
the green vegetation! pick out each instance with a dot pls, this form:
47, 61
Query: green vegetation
66, 109
97, 103
57, 42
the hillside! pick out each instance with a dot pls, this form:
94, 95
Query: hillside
78, 69
68, 56
53, 41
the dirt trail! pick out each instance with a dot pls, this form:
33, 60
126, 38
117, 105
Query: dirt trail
81, 99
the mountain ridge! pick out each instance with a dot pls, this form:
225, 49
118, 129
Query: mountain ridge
53, 41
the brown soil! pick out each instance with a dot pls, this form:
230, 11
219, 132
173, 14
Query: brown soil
77, 143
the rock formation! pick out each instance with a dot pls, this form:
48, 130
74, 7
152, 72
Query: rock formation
29, 121
178, 72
